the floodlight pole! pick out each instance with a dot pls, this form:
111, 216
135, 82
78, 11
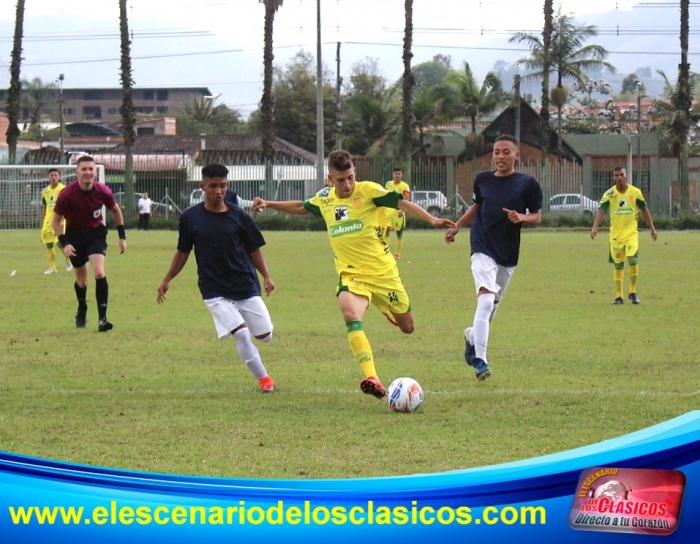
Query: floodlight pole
60, 117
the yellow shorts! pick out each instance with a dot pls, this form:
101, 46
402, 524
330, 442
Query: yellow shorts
387, 293
48, 236
394, 222
623, 249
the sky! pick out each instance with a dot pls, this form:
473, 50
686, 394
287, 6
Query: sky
218, 43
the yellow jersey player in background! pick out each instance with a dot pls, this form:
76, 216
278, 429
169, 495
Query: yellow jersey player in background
49, 195
623, 201
396, 219
366, 270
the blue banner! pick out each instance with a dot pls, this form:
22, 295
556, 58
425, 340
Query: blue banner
559, 497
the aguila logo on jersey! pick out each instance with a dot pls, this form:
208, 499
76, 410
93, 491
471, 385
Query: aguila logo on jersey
341, 213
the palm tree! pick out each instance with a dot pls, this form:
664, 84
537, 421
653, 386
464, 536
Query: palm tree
463, 96
569, 58
682, 104
37, 97
127, 107
267, 102
544, 110
15, 91
408, 82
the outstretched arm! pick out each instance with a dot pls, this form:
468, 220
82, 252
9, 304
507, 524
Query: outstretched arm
416, 211
177, 264
463, 221
295, 207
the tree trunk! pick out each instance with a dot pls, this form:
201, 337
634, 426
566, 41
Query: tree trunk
544, 110
127, 110
408, 83
14, 94
683, 106
267, 103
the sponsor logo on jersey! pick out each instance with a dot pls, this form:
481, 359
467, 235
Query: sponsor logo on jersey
341, 213
624, 211
325, 191
349, 227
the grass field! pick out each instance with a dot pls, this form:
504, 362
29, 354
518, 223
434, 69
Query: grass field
160, 393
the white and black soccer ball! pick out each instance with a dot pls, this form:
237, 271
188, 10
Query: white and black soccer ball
405, 395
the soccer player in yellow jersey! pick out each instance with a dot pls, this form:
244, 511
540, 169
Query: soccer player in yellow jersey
623, 201
366, 270
396, 219
49, 195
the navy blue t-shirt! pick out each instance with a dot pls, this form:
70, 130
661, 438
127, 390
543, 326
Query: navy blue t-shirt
222, 244
492, 233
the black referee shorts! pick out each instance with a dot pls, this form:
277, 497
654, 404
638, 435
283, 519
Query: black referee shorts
93, 242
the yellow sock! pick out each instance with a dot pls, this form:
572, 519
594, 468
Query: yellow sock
360, 348
634, 272
51, 255
399, 243
618, 276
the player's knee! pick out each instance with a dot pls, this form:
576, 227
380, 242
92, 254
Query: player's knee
633, 261
407, 328
265, 337
619, 266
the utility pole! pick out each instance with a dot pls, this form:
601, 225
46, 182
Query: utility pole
320, 174
639, 135
338, 108
60, 118
516, 87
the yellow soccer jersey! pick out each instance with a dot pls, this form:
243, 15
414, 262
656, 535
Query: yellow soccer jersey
355, 227
402, 188
624, 210
49, 197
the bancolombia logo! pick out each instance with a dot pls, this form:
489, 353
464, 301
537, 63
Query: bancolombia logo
348, 227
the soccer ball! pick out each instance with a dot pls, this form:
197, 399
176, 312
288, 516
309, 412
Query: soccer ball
405, 395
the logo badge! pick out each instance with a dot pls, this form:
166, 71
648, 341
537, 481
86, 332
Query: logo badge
341, 213
97, 213
357, 202
628, 500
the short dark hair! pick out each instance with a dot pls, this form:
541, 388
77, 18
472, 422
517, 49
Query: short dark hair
507, 138
618, 168
214, 171
54, 170
85, 158
340, 160
398, 169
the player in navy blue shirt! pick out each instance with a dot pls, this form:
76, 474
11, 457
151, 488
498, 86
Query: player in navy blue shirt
503, 201
227, 244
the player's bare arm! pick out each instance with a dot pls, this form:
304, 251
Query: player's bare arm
56, 225
467, 217
416, 211
647, 218
534, 218
598, 218
119, 221
177, 264
295, 207
260, 264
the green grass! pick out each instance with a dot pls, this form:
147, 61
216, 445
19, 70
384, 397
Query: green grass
160, 393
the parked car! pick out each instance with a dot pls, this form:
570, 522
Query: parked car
197, 196
572, 204
434, 202
156, 207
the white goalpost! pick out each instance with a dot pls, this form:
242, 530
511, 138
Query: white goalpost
20, 192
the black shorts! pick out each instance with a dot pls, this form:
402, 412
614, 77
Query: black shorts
85, 244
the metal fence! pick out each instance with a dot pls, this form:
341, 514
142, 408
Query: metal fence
174, 187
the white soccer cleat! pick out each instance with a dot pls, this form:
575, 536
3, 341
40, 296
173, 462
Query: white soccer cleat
69, 266
51, 271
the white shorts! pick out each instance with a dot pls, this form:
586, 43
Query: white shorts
230, 314
490, 275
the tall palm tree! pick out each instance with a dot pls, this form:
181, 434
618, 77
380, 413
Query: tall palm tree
15, 91
37, 98
569, 57
682, 104
408, 83
544, 110
127, 107
463, 96
267, 102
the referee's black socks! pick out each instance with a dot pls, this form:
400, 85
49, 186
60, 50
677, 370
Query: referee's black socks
81, 294
101, 294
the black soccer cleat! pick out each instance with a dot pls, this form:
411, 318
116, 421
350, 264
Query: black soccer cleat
634, 298
618, 300
80, 320
104, 326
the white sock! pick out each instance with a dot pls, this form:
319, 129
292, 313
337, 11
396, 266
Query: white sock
480, 330
249, 353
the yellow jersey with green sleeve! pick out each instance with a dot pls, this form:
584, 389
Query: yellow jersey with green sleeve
49, 196
624, 211
402, 188
355, 227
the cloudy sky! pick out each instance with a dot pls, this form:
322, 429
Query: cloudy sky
218, 43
